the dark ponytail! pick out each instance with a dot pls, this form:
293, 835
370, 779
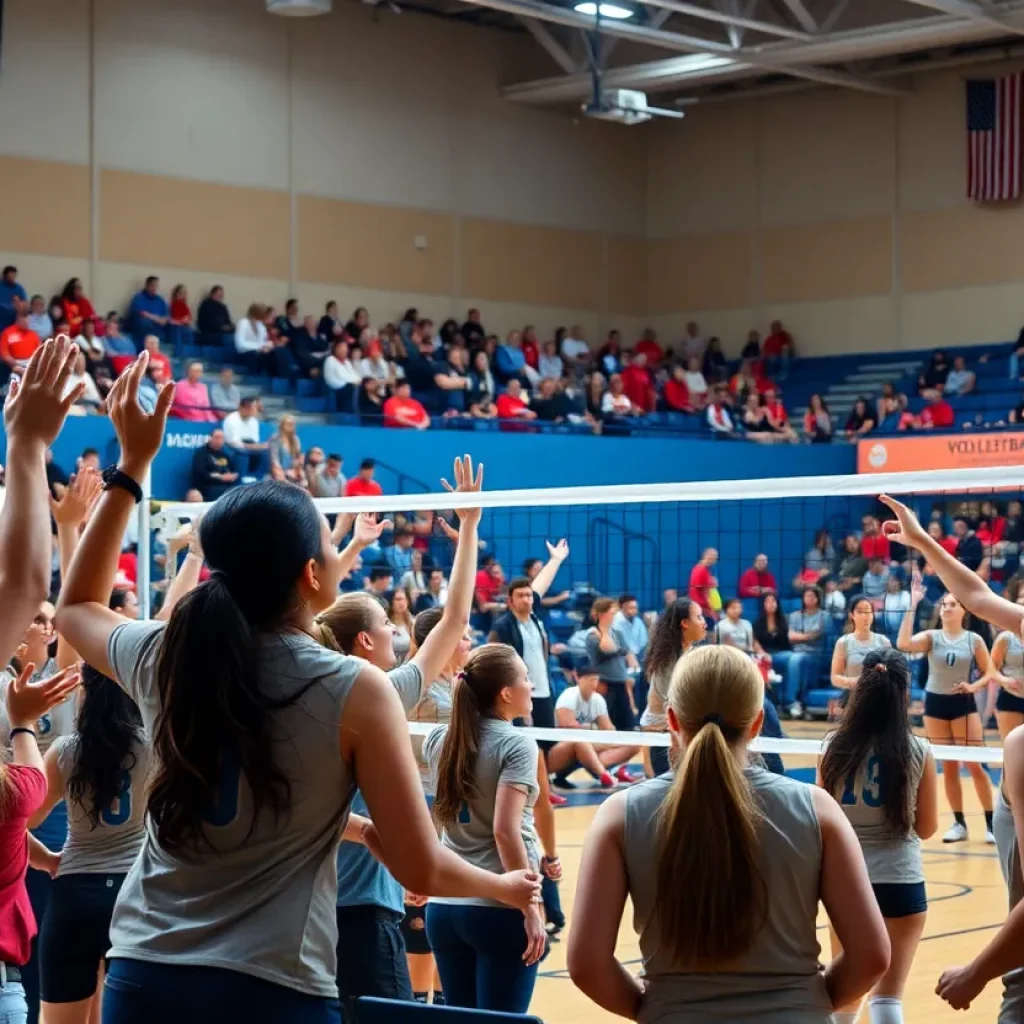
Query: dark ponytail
666, 643
214, 716
109, 725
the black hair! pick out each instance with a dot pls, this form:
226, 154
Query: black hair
623, 598
519, 583
367, 464
246, 400
529, 564
380, 572
876, 724
291, 302
151, 279
9, 270
109, 724
118, 599
424, 623
781, 621
213, 712
86, 452
666, 643
334, 457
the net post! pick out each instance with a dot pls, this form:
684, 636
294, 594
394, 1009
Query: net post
145, 547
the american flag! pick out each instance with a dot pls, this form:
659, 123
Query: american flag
994, 138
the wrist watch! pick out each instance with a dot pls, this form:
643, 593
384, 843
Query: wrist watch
115, 478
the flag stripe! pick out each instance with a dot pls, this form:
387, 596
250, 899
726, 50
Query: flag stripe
995, 109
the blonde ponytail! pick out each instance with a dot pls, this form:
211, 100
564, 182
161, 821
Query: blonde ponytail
711, 895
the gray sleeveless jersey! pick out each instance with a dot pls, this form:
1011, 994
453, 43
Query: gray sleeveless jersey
1012, 1009
779, 980
258, 899
655, 713
436, 707
1013, 664
506, 757
857, 650
950, 660
890, 858
58, 721
111, 846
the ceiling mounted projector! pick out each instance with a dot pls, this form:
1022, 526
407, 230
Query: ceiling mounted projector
298, 8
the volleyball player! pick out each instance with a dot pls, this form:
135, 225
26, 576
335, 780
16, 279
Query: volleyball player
884, 779
484, 772
725, 864
950, 711
1008, 661
679, 627
855, 645
259, 737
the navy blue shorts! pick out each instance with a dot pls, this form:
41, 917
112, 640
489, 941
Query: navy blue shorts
948, 707
1007, 701
900, 899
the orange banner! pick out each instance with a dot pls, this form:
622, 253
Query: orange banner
949, 451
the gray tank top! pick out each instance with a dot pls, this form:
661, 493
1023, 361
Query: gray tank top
58, 721
260, 903
1012, 1009
857, 650
506, 757
779, 980
1013, 664
111, 846
950, 660
890, 858
436, 708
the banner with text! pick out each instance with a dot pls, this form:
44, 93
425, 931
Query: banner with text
920, 452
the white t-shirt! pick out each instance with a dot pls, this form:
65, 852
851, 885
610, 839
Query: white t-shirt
695, 382
586, 712
239, 432
573, 348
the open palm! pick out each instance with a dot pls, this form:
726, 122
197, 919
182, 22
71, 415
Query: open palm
466, 483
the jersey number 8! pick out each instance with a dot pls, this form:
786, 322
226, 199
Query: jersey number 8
120, 810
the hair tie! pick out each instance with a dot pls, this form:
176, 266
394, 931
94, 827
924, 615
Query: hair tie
713, 719
881, 666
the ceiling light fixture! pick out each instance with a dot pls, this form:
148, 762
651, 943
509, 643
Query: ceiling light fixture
605, 10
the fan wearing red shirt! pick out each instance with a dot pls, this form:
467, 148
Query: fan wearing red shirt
936, 416
489, 584
180, 312
363, 485
638, 384
18, 342
702, 582
874, 544
757, 580
511, 406
531, 347
677, 394
648, 346
778, 342
402, 410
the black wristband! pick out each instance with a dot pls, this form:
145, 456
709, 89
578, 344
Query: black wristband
22, 728
113, 477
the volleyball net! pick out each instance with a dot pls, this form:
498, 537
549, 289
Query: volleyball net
643, 542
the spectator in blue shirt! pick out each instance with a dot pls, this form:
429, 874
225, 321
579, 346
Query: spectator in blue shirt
115, 342
39, 319
12, 296
509, 361
629, 624
149, 313
399, 555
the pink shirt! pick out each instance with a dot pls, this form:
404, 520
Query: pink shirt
192, 402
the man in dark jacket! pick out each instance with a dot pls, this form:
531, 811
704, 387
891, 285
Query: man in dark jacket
211, 468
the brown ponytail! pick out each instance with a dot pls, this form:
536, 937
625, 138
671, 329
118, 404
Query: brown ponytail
488, 671
711, 895
338, 627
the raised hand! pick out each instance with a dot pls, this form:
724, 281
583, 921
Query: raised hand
559, 552
447, 529
916, 592
466, 483
140, 433
367, 530
906, 529
79, 499
28, 701
36, 405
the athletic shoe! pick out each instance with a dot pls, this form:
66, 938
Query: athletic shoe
607, 782
796, 710
557, 801
989, 838
957, 834
563, 783
623, 775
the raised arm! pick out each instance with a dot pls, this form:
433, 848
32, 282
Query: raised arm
557, 554
442, 640
964, 584
186, 578
907, 641
33, 415
82, 613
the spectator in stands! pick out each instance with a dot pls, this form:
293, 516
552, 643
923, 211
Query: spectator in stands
12, 296
375, 365
341, 376
890, 403
286, 457
936, 415
531, 351
807, 628
777, 351
363, 484
214, 318
703, 581
873, 543
821, 556
402, 410
895, 604
946, 542
288, 322
452, 381
250, 455
715, 365
629, 624
114, 341
756, 424
609, 355
548, 402
717, 414
180, 312
746, 381
224, 394
733, 630
594, 391
834, 600
323, 474
90, 399
757, 580
481, 380
575, 352
615, 403
192, 397
861, 420
818, 421
875, 582
638, 383
511, 405
75, 307
399, 555
359, 322
252, 342
771, 631
306, 348
777, 416
696, 385
435, 594
17, 343
98, 365
330, 328
752, 348
931, 383
549, 363
488, 590
969, 549
152, 346
38, 319
212, 474
853, 565
150, 385
378, 585
676, 395
148, 313
693, 344
472, 330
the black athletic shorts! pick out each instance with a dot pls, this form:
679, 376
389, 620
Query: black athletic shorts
75, 935
1007, 701
901, 899
948, 707
414, 930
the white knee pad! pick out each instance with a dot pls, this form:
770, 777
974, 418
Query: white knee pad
885, 1010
